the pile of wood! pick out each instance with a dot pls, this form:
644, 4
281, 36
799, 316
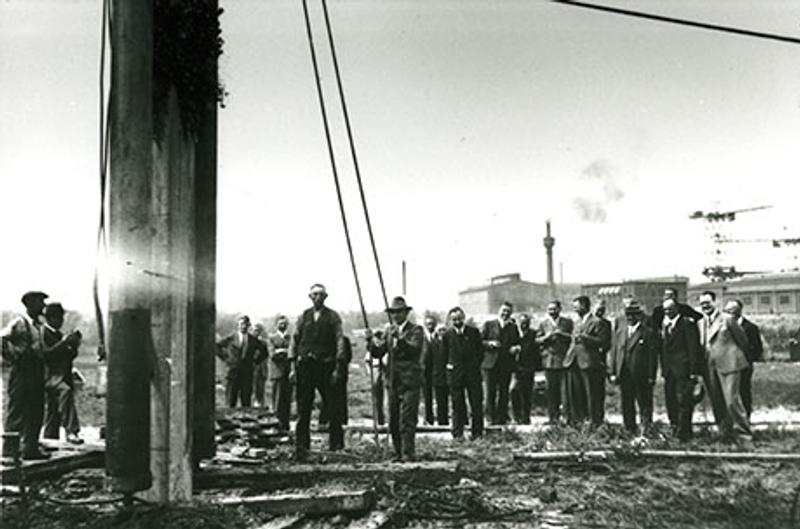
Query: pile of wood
248, 432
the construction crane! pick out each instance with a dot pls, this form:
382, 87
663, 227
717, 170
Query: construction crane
729, 216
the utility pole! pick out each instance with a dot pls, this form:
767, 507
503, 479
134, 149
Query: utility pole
130, 352
404, 278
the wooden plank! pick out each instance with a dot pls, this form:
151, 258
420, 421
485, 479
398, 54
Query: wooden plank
288, 521
543, 457
596, 455
56, 466
327, 503
275, 477
421, 428
374, 520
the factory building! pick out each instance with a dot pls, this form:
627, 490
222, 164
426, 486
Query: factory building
525, 295
648, 291
771, 293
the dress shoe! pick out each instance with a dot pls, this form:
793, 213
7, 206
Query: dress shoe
73, 438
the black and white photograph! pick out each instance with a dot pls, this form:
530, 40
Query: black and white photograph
373, 264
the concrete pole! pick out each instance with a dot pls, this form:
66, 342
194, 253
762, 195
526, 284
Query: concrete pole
205, 268
173, 276
130, 342
404, 278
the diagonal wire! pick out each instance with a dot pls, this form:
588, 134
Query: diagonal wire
682, 22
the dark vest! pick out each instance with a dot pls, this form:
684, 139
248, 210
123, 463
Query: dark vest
317, 338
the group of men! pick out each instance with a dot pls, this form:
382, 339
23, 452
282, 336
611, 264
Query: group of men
41, 386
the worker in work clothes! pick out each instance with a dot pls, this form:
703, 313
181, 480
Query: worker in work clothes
22, 349
260, 369
317, 359
403, 346
59, 352
278, 343
240, 351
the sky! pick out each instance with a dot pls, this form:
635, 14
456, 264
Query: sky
475, 122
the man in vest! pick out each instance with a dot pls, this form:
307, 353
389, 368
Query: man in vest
23, 350
403, 346
318, 363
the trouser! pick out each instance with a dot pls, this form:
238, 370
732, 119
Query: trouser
717, 407
315, 376
474, 392
680, 404
281, 400
746, 390
427, 393
25, 406
556, 392
495, 387
442, 394
239, 386
585, 388
60, 410
635, 391
521, 395
378, 392
260, 383
725, 390
403, 409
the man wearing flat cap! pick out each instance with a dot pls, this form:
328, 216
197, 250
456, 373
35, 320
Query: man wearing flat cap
403, 346
22, 349
632, 364
318, 362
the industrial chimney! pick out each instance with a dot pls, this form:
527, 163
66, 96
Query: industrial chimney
549, 242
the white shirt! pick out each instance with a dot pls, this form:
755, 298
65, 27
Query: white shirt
633, 328
670, 323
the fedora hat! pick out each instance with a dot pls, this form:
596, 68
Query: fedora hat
398, 305
633, 308
33, 295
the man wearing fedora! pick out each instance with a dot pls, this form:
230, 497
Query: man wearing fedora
318, 362
632, 364
22, 348
403, 346
681, 366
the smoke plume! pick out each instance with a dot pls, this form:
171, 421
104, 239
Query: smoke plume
598, 187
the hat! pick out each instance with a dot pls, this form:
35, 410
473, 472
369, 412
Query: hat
398, 305
53, 309
33, 295
633, 307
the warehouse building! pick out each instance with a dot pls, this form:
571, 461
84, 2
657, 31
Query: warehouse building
648, 291
525, 295
771, 293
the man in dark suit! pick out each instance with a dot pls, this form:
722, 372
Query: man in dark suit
260, 369
59, 352
754, 353
554, 335
317, 362
240, 351
632, 363
431, 342
501, 342
657, 319
526, 362
600, 311
681, 365
403, 346
586, 365
278, 343
463, 349
22, 349
441, 391
725, 344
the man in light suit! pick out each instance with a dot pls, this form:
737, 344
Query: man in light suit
463, 349
501, 343
554, 335
754, 352
403, 346
632, 363
586, 365
725, 344
240, 351
278, 343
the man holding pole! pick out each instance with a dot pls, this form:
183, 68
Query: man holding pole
403, 346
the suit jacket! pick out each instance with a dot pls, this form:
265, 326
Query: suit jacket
681, 352
58, 357
725, 343
464, 354
529, 358
607, 332
755, 350
238, 355
508, 336
637, 353
554, 347
404, 352
657, 319
588, 353
278, 347
434, 362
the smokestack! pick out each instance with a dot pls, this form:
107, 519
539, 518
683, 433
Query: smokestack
404, 278
549, 242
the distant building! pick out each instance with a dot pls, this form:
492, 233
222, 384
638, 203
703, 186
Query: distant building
772, 293
525, 295
649, 291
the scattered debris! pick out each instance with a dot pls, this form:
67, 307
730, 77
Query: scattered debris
309, 504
